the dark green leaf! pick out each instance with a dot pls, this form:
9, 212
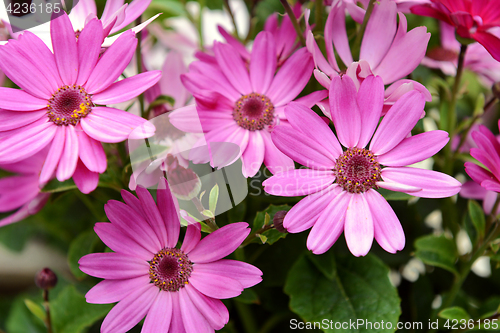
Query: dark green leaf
56, 186
260, 217
273, 236
455, 312
21, 320
325, 263
437, 251
82, 245
248, 296
477, 217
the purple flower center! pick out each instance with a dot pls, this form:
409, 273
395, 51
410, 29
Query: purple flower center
357, 170
170, 269
253, 112
68, 105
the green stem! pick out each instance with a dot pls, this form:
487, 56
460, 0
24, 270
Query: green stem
318, 4
362, 28
295, 23
48, 321
138, 56
200, 24
251, 237
228, 8
209, 221
452, 116
86, 201
245, 314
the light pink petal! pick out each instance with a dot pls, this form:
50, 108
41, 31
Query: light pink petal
135, 9
392, 186
16, 191
215, 285
192, 237
263, 62
65, 50
387, 228
414, 149
491, 185
298, 182
248, 275
113, 265
119, 242
472, 190
54, 155
127, 89
329, 225
205, 76
345, 111
112, 63
336, 34
193, 320
434, 184
91, 152
486, 152
305, 213
398, 122
153, 215
291, 78
132, 201
213, 310
18, 100
170, 82
274, 159
477, 173
235, 43
176, 324
370, 101
31, 208
130, 310
358, 229
318, 58
27, 142
233, 67
110, 291
89, 48
159, 314
489, 202
219, 243
84, 179
10, 120
113, 125
81, 11
312, 99
69, 157
170, 217
253, 156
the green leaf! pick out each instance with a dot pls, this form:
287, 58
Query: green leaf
263, 238
273, 236
214, 196
208, 213
395, 196
260, 217
21, 320
248, 296
72, 314
55, 186
360, 289
80, 246
35, 309
455, 312
477, 217
437, 251
325, 263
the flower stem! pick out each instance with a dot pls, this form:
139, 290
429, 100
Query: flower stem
295, 23
46, 305
452, 116
245, 314
362, 28
318, 4
228, 8
138, 56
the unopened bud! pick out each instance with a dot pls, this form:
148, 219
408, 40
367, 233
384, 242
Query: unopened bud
278, 221
46, 279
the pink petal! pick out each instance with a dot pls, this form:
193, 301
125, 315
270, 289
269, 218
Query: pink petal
119, 242
392, 186
253, 156
345, 111
91, 152
89, 48
246, 274
233, 67
110, 291
113, 125
54, 155
489, 202
477, 173
370, 101
127, 89
132, 12
30, 208
387, 228
170, 216
193, 320
487, 153
472, 190
170, 82
159, 314
213, 310
298, 182
18, 100
434, 184
153, 215
358, 229
215, 285
69, 157
263, 62
84, 179
274, 159
398, 122
65, 50
291, 78
329, 225
192, 237
491, 185
112, 63
235, 43
318, 58
132, 201
129, 311
414, 149
176, 324
336, 34
10, 120
113, 265
490, 42
219, 243
205, 76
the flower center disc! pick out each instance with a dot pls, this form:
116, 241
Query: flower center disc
68, 105
170, 269
253, 112
357, 170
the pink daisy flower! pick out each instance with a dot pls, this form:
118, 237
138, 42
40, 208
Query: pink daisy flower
240, 104
340, 184
472, 190
488, 153
56, 105
177, 289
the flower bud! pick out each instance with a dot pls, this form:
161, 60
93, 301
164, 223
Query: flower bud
278, 221
46, 279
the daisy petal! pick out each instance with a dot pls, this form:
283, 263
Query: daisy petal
298, 182
153, 215
159, 315
263, 62
370, 100
253, 156
69, 157
65, 50
233, 67
169, 213
193, 320
89, 48
274, 159
113, 265
91, 152
214, 311
192, 237
119, 242
54, 155
18, 100
84, 179
110, 291
215, 285
246, 274
358, 227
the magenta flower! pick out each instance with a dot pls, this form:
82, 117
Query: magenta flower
177, 289
472, 190
239, 104
473, 19
56, 105
488, 153
340, 184
21, 191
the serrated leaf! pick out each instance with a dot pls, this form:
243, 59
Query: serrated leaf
477, 217
360, 290
35, 309
80, 246
55, 186
248, 296
214, 196
437, 251
455, 312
